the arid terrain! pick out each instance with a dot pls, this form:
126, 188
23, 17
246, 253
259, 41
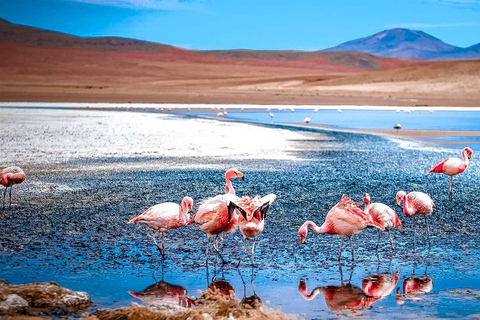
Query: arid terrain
38, 65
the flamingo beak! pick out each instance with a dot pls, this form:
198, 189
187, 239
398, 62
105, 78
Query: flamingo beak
398, 202
241, 175
302, 239
469, 155
190, 209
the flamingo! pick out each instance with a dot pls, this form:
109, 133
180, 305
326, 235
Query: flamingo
345, 219
217, 215
452, 167
416, 203
251, 221
165, 216
8, 177
382, 214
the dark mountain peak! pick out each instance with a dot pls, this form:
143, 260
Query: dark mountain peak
406, 44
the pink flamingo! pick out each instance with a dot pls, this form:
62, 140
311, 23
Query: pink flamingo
382, 214
217, 215
345, 219
163, 293
165, 216
251, 221
416, 203
8, 177
453, 166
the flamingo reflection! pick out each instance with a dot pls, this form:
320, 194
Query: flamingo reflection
350, 297
162, 293
413, 286
253, 301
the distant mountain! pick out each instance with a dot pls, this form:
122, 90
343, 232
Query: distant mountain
408, 44
44, 38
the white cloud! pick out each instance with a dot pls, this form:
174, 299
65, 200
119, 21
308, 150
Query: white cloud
432, 25
142, 4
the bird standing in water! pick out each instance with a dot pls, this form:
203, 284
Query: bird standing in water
217, 215
416, 203
8, 177
452, 167
165, 216
345, 219
251, 221
382, 214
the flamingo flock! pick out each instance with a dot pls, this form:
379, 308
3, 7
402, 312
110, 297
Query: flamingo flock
227, 212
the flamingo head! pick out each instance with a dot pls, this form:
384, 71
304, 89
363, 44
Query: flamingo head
400, 196
187, 202
366, 198
234, 173
469, 152
302, 233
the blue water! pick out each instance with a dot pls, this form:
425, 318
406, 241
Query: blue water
371, 119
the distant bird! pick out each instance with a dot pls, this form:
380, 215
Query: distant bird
271, 114
315, 110
453, 166
383, 214
8, 177
398, 126
416, 203
165, 216
251, 220
340, 110
220, 114
345, 219
307, 120
217, 215
292, 109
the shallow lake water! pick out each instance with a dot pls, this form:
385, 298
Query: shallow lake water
74, 230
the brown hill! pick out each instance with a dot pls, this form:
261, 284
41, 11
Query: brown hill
39, 65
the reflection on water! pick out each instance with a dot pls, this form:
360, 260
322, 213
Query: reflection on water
162, 293
349, 297
252, 301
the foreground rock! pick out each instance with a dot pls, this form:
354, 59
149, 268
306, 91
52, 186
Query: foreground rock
40, 298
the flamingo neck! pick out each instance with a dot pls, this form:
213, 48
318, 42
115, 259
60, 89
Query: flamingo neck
407, 206
184, 212
229, 186
366, 210
465, 158
314, 227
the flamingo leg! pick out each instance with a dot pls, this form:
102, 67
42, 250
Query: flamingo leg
351, 248
215, 247
414, 233
163, 244
4, 196
450, 189
391, 240
253, 249
340, 250
155, 241
378, 240
428, 229
10, 207
208, 244
244, 245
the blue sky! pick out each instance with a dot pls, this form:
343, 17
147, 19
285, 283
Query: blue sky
249, 24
